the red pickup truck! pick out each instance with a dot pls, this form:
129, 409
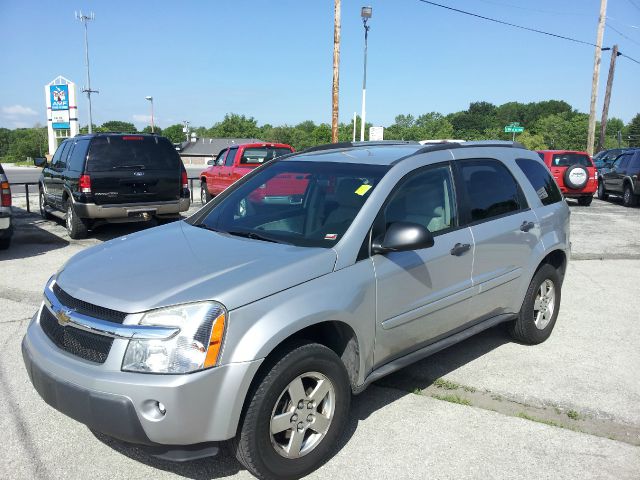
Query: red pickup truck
235, 162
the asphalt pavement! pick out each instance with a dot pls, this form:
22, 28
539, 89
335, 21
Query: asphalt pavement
485, 408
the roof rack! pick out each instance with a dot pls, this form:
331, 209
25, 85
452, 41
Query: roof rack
479, 143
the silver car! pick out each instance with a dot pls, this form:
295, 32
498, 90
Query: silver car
317, 274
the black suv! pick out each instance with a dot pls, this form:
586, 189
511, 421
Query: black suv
623, 178
112, 177
605, 158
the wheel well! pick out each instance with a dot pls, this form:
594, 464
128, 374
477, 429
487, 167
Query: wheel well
203, 179
627, 181
558, 260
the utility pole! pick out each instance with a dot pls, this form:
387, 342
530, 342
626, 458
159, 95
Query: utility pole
86, 19
354, 126
607, 97
596, 75
365, 13
336, 71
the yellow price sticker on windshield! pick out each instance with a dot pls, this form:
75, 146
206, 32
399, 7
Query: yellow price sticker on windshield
362, 189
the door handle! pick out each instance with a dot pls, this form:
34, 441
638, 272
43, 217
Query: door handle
459, 248
526, 226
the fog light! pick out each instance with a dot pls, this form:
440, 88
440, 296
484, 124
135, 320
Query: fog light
161, 408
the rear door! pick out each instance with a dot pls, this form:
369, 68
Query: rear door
133, 169
505, 232
617, 173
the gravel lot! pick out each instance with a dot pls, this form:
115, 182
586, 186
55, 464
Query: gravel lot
412, 424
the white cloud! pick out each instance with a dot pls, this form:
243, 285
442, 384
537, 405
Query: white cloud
19, 111
142, 118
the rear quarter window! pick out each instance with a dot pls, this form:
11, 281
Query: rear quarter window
541, 180
132, 151
78, 156
568, 159
259, 155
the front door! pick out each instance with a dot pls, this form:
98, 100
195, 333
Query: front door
53, 178
422, 294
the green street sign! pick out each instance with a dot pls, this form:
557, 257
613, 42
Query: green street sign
513, 129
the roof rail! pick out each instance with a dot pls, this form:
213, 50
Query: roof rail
479, 143
377, 143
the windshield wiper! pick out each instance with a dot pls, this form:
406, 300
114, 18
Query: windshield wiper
138, 167
254, 236
205, 227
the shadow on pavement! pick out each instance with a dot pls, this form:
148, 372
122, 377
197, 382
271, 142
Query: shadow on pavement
397, 385
29, 238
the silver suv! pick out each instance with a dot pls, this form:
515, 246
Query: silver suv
310, 278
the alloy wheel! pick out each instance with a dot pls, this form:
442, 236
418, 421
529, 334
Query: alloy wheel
544, 304
302, 415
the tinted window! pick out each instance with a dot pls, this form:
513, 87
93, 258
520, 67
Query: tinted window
634, 164
568, 159
623, 161
231, 156
541, 181
78, 155
541, 155
301, 203
490, 189
59, 159
132, 151
425, 198
220, 157
258, 155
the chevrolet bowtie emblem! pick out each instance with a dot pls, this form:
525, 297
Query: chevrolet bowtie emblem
64, 316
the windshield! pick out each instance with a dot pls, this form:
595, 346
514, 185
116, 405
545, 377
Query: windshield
568, 159
258, 155
299, 203
132, 152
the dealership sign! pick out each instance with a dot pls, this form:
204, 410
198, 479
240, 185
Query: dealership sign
59, 97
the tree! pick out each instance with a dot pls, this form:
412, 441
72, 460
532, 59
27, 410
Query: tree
235, 126
175, 133
119, 126
532, 141
633, 131
156, 129
26, 143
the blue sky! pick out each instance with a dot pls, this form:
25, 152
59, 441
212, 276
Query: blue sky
272, 59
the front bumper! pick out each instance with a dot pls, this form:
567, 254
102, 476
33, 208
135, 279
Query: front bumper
200, 407
128, 210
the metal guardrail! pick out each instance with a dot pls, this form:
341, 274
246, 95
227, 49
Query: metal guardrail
26, 189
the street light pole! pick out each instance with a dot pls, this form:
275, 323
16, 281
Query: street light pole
365, 13
86, 19
152, 124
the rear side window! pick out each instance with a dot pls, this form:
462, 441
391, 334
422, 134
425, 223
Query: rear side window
132, 152
258, 155
541, 181
634, 164
78, 155
568, 159
490, 190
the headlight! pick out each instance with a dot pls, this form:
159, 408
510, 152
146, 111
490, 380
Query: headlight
195, 347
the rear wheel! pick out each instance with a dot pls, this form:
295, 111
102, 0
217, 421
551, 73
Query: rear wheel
76, 227
205, 196
602, 193
585, 201
629, 199
296, 414
540, 308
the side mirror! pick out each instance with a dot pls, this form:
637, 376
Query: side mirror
211, 162
40, 162
401, 237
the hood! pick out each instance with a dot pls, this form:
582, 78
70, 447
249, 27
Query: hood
179, 263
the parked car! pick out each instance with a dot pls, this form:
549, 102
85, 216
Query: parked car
6, 226
622, 179
605, 158
235, 162
574, 172
255, 320
112, 177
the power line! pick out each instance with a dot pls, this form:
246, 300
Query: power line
538, 10
634, 4
502, 22
621, 34
632, 59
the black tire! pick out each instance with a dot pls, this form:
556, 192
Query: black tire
629, 199
585, 201
42, 203
253, 445
580, 181
205, 196
524, 328
602, 193
5, 243
77, 227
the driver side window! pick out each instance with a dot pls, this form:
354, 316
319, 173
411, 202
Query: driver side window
424, 198
59, 158
220, 158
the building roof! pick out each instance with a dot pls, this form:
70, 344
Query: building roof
207, 147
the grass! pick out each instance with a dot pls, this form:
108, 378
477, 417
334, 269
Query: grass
417, 391
452, 398
573, 415
445, 384
539, 420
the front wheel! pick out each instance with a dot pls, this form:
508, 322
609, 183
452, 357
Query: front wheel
205, 196
296, 414
539, 311
585, 201
602, 193
629, 199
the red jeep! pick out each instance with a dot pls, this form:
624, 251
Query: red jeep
574, 172
235, 162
